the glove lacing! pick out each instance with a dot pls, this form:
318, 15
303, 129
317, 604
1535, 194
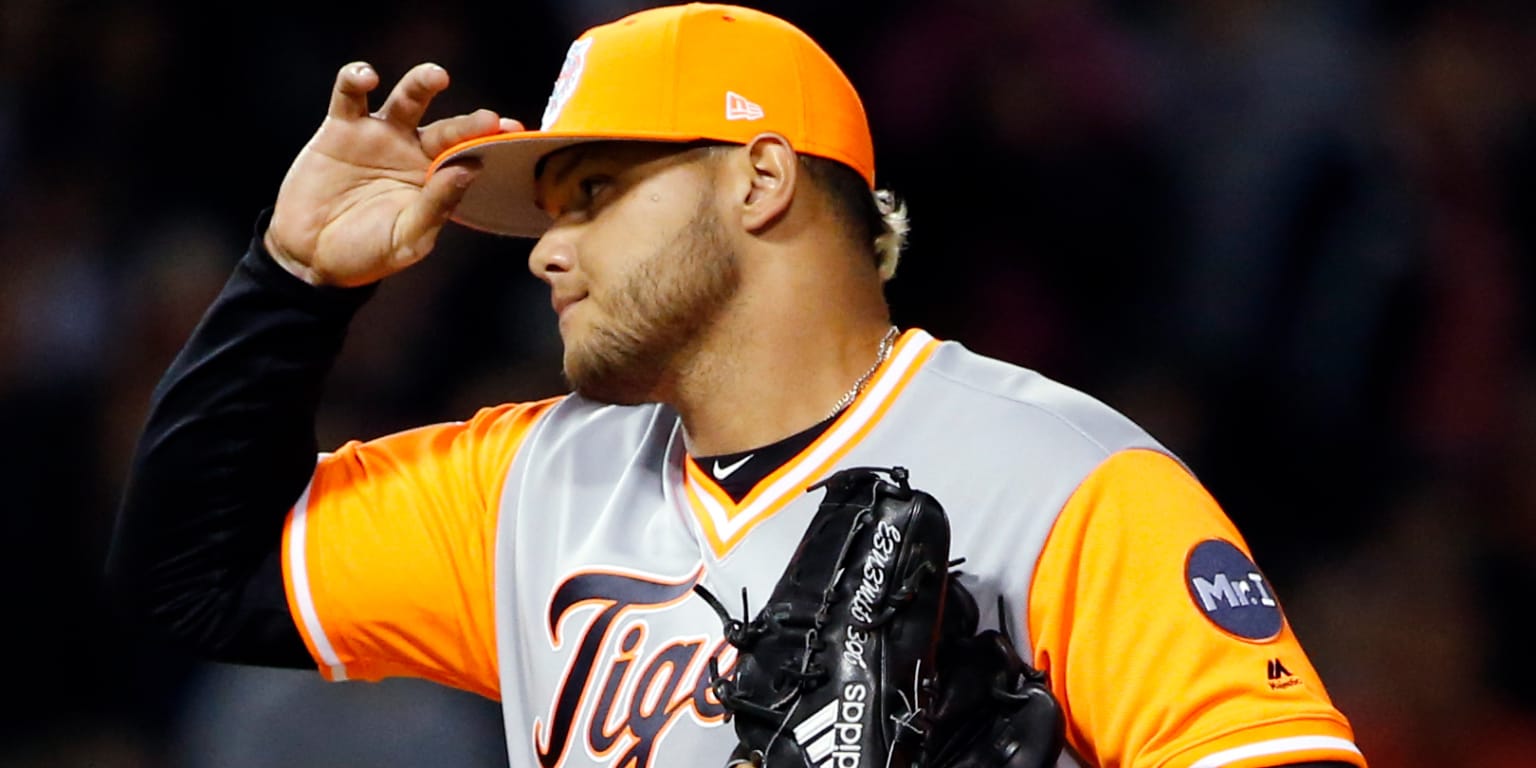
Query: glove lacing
793, 679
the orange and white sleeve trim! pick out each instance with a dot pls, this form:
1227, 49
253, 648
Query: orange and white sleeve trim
1283, 751
388, 557
300, 596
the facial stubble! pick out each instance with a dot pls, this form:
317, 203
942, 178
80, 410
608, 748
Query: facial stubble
656, 315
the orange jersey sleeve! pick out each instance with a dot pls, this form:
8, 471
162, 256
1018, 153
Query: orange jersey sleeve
388, 558
1161, 637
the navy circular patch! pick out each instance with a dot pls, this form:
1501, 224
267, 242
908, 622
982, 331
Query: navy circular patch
1231, 591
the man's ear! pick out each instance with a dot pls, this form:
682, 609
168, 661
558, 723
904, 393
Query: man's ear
772, 168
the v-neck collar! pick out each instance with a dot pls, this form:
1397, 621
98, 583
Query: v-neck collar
725, 523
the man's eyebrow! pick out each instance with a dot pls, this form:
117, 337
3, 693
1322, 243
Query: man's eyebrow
575, 154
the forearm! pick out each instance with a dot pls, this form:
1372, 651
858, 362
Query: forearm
227, 448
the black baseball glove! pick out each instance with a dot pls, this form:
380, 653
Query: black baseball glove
990, 709
849, 663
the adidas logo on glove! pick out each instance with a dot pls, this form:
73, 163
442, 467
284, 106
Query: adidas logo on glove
831, 737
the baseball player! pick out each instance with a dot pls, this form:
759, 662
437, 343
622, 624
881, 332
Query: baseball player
701, 187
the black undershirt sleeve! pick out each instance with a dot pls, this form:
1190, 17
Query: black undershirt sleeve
227, 448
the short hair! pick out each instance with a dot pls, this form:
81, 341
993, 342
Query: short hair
878, 217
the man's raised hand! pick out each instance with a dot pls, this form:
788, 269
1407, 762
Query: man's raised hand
356, 205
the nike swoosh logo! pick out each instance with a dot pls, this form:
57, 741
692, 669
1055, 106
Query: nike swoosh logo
722, 473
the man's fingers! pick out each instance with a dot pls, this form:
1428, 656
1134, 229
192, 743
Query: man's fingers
447, 132
418, 225
411, 96
353, 84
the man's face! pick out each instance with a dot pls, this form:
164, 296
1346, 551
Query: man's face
637, 261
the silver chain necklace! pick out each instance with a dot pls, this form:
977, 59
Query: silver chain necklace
858, 386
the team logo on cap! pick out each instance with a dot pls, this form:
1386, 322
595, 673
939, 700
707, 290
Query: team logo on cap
739, 107
1230, 590
565, 84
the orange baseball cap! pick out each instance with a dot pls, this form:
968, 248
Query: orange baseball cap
675, 74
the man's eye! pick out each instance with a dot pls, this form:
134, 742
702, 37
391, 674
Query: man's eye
592, 186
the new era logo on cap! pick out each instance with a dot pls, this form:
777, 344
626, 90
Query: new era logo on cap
739, 107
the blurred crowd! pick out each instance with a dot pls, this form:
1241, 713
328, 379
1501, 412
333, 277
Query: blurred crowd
1294, 239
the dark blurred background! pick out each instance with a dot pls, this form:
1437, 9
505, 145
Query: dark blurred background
1294, 239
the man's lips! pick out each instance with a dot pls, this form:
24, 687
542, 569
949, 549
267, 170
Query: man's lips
561, 302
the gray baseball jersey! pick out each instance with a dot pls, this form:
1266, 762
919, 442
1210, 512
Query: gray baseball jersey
544, 554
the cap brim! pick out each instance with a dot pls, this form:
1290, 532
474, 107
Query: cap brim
500, 200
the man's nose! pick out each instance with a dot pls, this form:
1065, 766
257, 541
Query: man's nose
553, 253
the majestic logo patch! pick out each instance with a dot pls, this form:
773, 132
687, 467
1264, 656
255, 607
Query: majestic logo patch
1229, 589
565, 84
739, 107
1280, 677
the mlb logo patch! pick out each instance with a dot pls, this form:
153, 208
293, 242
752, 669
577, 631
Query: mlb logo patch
565, 84
739, 107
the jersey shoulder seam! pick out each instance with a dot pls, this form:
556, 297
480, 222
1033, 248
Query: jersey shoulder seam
1068, 423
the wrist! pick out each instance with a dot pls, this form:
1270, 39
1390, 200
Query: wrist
289, 264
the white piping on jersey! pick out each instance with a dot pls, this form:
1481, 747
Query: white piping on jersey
864, 409
1276, 747
298, 568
